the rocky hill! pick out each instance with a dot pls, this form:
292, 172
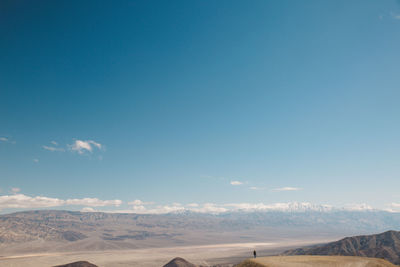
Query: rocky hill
385, 245
78, 264
179, 262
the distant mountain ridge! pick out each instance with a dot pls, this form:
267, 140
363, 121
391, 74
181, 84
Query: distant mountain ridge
385, 245
55, 230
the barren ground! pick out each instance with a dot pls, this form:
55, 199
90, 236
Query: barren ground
321, 261
204, 255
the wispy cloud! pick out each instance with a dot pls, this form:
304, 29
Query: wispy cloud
395, 16
36, 160
15, 190
139, 202
53, 149
6, 140
79, 146
256, 188
287, 188
82, 146
236, 183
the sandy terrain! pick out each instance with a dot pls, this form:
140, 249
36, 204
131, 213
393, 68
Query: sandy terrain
327, 261
204, 255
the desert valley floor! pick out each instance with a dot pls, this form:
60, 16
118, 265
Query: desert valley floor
202, 255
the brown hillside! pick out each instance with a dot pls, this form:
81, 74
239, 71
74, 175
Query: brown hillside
385, 245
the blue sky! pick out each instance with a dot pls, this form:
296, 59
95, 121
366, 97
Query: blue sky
199, 102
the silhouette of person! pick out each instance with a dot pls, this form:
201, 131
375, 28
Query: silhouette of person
255, 254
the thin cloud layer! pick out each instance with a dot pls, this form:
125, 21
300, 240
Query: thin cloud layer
288, 188
141, 207
236, 183
93, 202
6, 140
21, 201
256, 188
79, 146
53, 148
395, 16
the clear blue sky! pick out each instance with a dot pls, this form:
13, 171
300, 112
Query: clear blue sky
186, 97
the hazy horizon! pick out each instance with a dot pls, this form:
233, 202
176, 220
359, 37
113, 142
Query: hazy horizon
207, 106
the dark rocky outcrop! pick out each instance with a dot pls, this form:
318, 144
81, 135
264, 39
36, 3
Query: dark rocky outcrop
179, 262
78, 264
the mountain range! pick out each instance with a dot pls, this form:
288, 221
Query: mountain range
54, 230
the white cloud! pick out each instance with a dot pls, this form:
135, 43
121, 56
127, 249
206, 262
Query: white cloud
81, 146
52, 148
36, 160
15, 190
138, 202
213, 208
395, 16
141, 209
288, 188
256, 188
395, 205
209, 208
6, 140
236, 183
22, 201
93, 202
54, 143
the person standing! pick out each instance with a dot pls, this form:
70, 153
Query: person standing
255, 254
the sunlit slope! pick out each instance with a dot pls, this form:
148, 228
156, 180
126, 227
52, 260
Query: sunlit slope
315, 261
